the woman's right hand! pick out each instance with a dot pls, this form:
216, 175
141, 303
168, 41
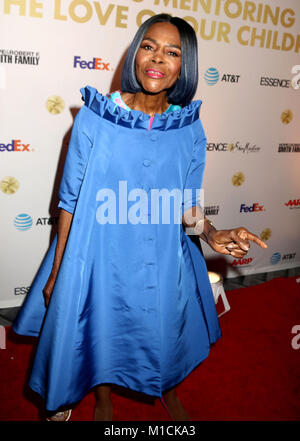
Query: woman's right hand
47, 291
64, 224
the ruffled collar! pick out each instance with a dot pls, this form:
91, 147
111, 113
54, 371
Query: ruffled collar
116, 97
107, 109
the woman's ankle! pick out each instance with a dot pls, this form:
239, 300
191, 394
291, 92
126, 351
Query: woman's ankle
103, 410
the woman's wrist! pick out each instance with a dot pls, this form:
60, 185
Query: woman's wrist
208, 230
197, 224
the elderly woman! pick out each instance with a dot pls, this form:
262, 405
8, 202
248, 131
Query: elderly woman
127, 298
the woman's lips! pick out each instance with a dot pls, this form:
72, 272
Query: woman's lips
152, 73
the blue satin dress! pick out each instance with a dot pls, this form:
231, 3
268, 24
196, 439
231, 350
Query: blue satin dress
132, 303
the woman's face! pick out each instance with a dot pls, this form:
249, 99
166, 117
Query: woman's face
158, 59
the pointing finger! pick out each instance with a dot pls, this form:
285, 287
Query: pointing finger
257, 240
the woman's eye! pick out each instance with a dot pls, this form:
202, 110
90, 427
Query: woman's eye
173, 54
147, 47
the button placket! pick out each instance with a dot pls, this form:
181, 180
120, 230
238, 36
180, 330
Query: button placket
150, 268
149, 242
147, 162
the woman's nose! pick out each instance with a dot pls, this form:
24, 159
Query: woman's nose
157, 57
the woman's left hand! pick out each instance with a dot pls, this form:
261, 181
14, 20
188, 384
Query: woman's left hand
235, 242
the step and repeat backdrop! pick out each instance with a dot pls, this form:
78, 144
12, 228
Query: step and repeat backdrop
249, 77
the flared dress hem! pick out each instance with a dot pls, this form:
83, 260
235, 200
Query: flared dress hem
116, 382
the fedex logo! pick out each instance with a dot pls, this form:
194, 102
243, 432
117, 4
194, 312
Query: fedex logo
15, 146
95, 63
252, 208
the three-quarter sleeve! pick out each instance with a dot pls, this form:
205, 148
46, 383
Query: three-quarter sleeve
193, 192
75, 164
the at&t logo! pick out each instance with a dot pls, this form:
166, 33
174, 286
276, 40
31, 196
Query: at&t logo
95, 64
23, 222
212, 76
275, 258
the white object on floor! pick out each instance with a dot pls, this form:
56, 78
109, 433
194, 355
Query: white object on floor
216, 282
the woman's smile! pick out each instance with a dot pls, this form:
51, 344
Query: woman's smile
153, 73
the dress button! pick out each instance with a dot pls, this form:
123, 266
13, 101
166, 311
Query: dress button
153, 137
146, 162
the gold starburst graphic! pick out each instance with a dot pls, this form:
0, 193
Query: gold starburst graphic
238, 179
230, 147
266, 234
9, 185
286, 116
55, 104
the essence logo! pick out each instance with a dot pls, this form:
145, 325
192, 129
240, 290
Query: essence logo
95, 64
232, 147
21, 290
274, 82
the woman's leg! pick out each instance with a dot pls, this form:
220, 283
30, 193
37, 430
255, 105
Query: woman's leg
104, 407
174, 405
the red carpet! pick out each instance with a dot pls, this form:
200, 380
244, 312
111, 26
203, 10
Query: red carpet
252, 372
